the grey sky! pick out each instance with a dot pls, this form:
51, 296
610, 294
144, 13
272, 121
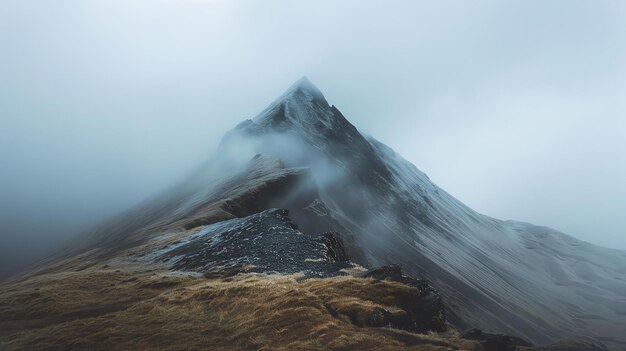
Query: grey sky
516, 108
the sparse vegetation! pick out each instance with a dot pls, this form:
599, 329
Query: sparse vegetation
123, 308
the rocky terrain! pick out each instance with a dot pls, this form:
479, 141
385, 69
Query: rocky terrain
302, 233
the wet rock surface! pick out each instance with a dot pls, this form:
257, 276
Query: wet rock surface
266, 242
336, 251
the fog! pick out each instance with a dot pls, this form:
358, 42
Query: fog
516, 109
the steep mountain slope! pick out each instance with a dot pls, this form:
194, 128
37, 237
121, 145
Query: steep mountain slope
346, 200
497, 275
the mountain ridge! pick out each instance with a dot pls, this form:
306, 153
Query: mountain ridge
411, 211
302, 155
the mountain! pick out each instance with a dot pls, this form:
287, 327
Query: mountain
503, 276
299, 190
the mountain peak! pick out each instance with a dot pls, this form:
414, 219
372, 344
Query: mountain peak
304, 85
301, 103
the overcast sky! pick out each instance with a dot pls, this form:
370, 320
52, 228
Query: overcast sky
517, 108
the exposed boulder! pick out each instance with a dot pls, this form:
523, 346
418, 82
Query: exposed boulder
266, 242
335, 249
422, 308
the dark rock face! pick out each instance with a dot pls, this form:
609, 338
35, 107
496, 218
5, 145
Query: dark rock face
336, 251
495, 342
424, 309
266, 242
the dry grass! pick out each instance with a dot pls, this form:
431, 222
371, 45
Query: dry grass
129, 309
